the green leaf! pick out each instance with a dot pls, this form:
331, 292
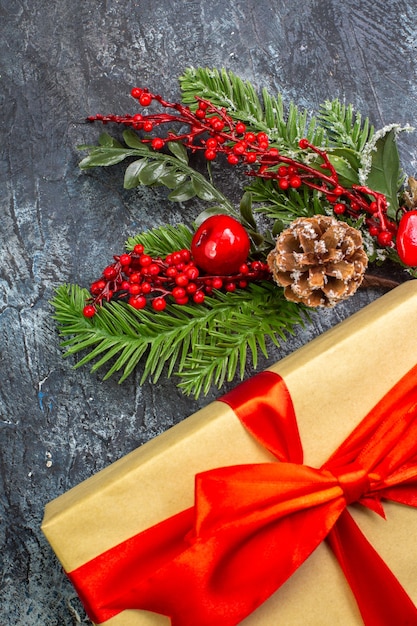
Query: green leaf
183, 192
246, 209
214, 210
178, 150
204, 190
104, 157
108, 141
134, 141
385, 170
150, 172
132, 174
172, 177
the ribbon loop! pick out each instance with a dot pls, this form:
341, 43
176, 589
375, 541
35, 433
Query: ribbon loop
354, 481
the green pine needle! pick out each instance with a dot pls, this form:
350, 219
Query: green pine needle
204, 345
163, 240
266, 114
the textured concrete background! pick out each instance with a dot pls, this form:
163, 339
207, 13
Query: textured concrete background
61, 61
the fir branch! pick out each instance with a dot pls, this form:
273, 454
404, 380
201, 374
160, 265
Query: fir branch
286, 207
204, 344
163, 240
240, 334
344, 127
239, 97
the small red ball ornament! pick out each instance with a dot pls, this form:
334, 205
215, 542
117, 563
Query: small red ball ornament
407, 239
220, 245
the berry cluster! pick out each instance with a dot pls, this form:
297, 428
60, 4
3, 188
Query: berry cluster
212, 130
139, 279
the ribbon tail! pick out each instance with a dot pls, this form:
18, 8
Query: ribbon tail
381, 599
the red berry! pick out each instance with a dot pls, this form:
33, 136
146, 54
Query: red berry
146, 287
177, 257
179, 292
273, 152
339, 208
136, 92
217, 283
233, 159
200, 114
220, 245
337, 191
89, 310
191, 288
145, 260
283, 183
250, 157
138, 302
239, 148
159, 304
153, 269
250, 137
192, 273
181, 301
110, 272
147, 126
217, 124
231, 286
125, 259
95, 289
262, 137
240, 128
145, 99
135, 278
373, 231
135, 289
157, 143
384, 238
407, 239
282, 171
181, 280
203, 105
295, 182
185, 254
303, 143
199, 297
138, 249
210, 154
211, 142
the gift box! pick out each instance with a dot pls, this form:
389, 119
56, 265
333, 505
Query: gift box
333, 383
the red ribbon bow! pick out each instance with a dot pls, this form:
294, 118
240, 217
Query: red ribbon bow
253, 525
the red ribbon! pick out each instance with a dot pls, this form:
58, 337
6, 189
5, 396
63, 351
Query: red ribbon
253, 525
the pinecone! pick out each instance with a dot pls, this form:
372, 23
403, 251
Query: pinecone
318, 260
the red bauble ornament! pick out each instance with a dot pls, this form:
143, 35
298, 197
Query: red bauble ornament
407, 239
220, 245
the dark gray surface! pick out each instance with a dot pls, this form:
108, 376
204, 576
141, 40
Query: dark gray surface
61, 61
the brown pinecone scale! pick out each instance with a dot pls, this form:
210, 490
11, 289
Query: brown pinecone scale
318, 260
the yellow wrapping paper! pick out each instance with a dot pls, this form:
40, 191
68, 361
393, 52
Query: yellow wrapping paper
334, 381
